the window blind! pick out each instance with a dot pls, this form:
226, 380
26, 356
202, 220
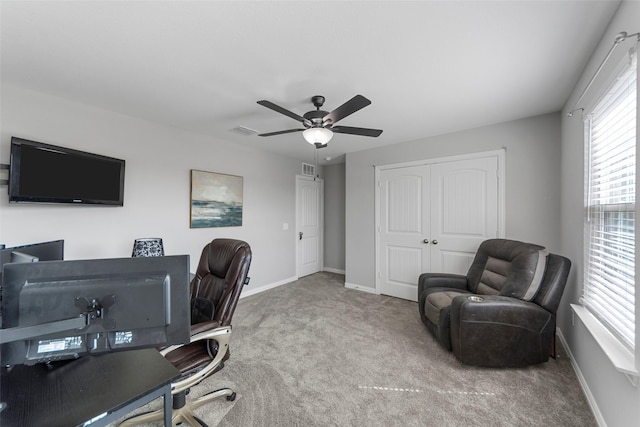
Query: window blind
609, 252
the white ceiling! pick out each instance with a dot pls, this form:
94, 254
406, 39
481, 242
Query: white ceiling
429, 67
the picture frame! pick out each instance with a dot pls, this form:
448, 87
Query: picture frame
216, 200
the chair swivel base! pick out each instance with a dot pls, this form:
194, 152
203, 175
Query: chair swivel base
182, 411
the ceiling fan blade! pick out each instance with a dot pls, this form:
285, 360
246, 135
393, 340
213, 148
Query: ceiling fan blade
357, 131
351, 106
280, 132
281, 110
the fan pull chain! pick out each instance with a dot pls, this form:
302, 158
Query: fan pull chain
315, 162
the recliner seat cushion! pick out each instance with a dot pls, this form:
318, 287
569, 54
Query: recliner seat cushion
436, 301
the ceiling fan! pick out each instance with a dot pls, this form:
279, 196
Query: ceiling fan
319, 125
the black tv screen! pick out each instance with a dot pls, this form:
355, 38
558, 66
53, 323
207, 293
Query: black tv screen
47, 173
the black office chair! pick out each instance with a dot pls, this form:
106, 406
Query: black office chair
215, 290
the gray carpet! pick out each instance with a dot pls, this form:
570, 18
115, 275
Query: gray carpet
313, 353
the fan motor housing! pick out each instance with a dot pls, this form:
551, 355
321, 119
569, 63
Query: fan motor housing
315, 117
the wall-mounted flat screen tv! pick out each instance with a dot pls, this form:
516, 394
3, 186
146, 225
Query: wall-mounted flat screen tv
44, 173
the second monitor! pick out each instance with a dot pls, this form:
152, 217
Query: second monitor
124, 303
41, 251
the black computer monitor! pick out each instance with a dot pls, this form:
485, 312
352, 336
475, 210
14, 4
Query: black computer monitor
41, 251
122, 304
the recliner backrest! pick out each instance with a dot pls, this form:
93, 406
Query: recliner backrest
221, 273
553, 284
508, 268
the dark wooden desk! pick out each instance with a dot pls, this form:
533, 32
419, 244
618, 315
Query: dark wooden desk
90, 391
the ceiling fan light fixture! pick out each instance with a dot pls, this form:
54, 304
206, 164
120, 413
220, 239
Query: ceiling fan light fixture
317, 135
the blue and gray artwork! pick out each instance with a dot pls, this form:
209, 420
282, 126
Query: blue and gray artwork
216, 200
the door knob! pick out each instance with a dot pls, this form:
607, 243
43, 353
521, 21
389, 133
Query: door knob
300, 235
425, 241
434, 242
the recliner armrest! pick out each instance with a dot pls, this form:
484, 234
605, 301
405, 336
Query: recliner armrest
499, 309
441, 280
500, 331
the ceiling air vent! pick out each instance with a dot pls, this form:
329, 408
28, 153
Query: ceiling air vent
241, 130
308, 170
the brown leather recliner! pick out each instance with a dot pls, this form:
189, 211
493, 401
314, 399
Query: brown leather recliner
215, 290
503, 312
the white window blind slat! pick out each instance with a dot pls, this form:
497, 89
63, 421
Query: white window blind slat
609, 253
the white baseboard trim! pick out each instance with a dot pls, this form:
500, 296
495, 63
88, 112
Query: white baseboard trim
583, 382
249, 291
333, 270
360, 288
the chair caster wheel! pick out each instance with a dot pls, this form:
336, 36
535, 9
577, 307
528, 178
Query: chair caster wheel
232, 397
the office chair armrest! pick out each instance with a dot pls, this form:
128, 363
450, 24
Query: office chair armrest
195, 329
204, 326
222, 336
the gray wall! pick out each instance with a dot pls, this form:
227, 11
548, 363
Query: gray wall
617, 401
532, 184
157, 193
334, 199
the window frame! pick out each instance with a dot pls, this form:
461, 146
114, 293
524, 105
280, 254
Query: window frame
614, 344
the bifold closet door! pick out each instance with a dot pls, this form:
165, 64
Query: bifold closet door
432, 218
464, 211
404, 230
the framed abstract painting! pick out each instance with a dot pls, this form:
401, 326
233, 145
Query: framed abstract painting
216, 200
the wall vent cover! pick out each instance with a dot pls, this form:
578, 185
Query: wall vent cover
308, 170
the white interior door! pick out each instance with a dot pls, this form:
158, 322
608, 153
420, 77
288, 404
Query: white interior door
404, 213
308, 225
464, 211
432, 218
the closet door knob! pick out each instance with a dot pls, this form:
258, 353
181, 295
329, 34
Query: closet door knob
425, 241
434, 242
